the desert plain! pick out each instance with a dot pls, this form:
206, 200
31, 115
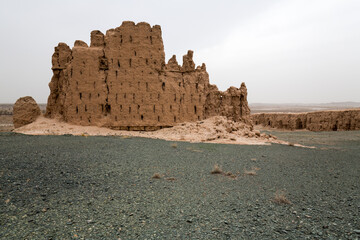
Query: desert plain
131, 187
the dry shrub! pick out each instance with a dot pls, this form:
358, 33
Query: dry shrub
251, 172
171, 179
174, 145
230, 174
281, 198
291, 144
156, 176
216, 170
193, 150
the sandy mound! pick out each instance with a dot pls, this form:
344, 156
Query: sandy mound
214, 130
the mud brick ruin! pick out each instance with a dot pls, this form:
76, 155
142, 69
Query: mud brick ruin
122, 82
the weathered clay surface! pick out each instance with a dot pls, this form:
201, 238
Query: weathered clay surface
122, 81
25, 111
313, 121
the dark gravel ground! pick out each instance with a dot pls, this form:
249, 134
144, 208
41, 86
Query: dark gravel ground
66, 187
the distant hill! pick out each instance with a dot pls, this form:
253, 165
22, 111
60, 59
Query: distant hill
301, 107
7, 108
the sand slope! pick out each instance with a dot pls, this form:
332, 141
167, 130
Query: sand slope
215, 130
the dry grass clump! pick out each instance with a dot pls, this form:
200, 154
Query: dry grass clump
230, 174
193, 150
217, 170
174, 145
156, 176
291, 144
252, 172
171, 179
281, 198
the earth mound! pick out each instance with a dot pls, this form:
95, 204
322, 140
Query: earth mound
25, 111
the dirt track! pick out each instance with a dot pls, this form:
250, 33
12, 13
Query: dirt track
67, 187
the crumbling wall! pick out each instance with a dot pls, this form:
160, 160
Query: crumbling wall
313, 121
121, 81
232, 103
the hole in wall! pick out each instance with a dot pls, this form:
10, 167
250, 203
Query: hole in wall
195, 110
163, 86
142, 117
76, 109
80, 95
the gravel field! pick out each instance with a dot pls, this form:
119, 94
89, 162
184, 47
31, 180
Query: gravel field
67, 187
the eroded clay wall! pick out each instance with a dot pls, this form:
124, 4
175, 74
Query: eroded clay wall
313, 121
121, 81
232, 103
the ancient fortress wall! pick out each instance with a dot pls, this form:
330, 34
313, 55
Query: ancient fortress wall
122, 81
313, 121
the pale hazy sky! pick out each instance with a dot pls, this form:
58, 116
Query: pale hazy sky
286, 51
